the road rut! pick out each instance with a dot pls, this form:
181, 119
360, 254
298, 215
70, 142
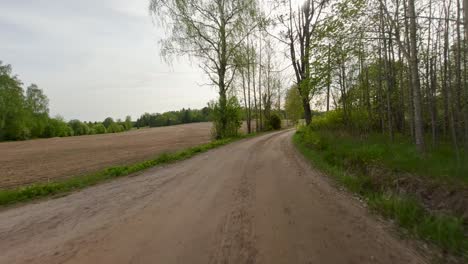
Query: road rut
253, 201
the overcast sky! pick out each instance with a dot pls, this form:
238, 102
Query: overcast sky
96, 58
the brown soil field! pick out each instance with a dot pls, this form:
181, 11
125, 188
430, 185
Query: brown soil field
41, 160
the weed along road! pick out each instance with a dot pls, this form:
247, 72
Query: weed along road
253, 201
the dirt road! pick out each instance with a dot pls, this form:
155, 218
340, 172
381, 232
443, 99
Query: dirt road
254, 201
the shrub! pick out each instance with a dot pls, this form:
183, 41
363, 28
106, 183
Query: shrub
56, 127
99, 128
108, 121
115, 128
128, 123
226, 121
358, 121
274, 122
79, 128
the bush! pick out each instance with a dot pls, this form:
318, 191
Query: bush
358, 121
115, 128
339, 155
99, 128
226, 121
79, 128
128, 123
108, 122
274, 122
56, 127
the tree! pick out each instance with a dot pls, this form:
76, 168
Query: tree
37, 105
301, 28
211, 31
36, 100
274, 122
233, 112
415, 80
108, 121
115, 128
128, 123
293, 105
465, 16
57, 127
13, 114
100, 128
79, 128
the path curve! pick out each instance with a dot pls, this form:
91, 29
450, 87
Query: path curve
253, 201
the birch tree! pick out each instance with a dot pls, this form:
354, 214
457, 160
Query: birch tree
210, 31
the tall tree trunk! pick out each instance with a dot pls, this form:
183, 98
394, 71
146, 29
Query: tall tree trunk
465, 17
409, 85
446, 82
249, 114
433, 103
415, 81
254, 91
387, 77
448, 85
260, 84
328, 77
380, 90
401, 79
465, 72
344, 95
459, 91
246, 109
257, 128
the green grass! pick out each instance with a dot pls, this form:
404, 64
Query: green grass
399, 155
335, 155
40, 190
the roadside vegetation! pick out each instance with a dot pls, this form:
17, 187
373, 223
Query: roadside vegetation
65, 186
391, 75
426, 195
388, 81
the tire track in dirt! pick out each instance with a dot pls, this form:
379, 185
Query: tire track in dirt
237, 238
253, 201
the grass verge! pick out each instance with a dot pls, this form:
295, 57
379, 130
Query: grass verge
445, 231
40, 190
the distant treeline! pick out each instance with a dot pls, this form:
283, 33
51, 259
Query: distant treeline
170, 118
24, 114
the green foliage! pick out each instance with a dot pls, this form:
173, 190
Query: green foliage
13, 112
446, 231
25, 115
128, 123
115, 128
227, 120
37, 105
215, 40
357, 122
293, 105
274, 122
183, 116
338, 154
100, 128
108, 121
341, 148
79, 128
57, 127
